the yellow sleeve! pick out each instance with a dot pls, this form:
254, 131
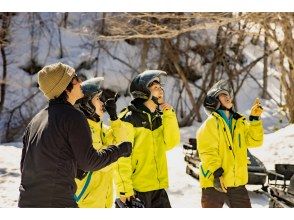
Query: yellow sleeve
171, 130
107, 140
119, 133
123, 167
254, 133
208, 146
113, 135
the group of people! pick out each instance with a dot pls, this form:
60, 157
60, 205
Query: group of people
70, 158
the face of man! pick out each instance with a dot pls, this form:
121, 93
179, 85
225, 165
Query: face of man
76, 92
157, 91
226, 100
98, 105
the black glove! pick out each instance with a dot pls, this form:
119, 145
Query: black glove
81, 174
125, 149
219, 185
218, 182
110, 106
119, 204
133, 203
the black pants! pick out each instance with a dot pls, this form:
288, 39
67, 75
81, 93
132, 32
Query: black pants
236, 197
154, 199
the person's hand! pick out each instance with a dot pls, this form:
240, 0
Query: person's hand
132, 202
125, 149
122, 202
110, 107
218, 184
256, 109
124, 199
165, 106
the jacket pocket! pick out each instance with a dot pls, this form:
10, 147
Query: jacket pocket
239, 138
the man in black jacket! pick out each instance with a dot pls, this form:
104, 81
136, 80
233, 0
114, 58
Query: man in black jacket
57, 142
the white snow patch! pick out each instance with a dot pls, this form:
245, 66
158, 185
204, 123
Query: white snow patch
184, 191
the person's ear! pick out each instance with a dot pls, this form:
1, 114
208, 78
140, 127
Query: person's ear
67, 92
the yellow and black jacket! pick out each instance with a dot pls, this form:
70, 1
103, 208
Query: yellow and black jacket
151, 135
95, 190
222, 146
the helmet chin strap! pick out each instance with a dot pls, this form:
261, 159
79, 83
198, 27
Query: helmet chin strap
155, 100
90, 113
231, 110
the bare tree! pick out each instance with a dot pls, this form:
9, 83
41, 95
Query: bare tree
279, 28
197, 49
265, 67
228, 59
4, 31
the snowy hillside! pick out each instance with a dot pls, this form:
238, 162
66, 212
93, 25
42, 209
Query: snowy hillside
278, 147
184, 191
31, 41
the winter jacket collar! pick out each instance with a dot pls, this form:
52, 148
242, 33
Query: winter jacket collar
58, 101
139, 107
236, 116
226, 119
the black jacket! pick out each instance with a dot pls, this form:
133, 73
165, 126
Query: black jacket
56, 142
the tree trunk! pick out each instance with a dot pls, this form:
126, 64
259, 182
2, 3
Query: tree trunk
3, 81
171, 54
144, 55
60, 44
65, 17
3, 41
265, 67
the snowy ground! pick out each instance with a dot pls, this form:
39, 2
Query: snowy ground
184, 191
9, 174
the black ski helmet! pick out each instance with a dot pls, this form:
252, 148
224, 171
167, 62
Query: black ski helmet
90, 88
211, 102
139, 85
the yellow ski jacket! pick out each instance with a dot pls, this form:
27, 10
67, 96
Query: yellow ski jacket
151, 136
95, 190
220, 147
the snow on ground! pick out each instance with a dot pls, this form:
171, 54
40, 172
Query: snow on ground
184, 191
278, 147
9, 174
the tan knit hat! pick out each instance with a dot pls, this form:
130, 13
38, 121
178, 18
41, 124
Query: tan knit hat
53, 79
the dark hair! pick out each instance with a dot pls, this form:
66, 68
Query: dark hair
153, 83
63, 96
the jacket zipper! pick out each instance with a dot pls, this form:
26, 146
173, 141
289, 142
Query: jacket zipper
135, 167
239, 139
231, 149
150, 121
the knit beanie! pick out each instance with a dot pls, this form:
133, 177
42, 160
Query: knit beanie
53, 79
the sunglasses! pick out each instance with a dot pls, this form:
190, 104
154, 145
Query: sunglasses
78, 80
